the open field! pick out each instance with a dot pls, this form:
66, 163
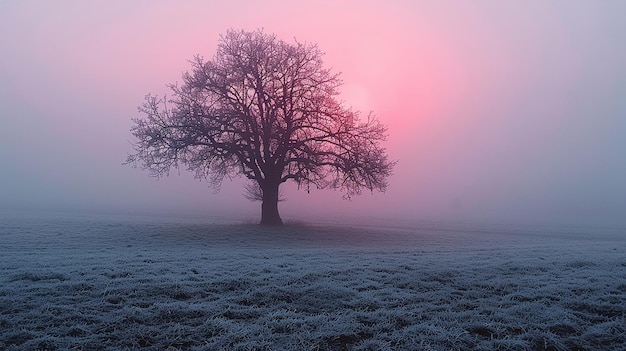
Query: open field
115, 283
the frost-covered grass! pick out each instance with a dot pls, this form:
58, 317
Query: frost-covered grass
89, 283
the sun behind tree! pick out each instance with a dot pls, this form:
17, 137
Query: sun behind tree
265, 109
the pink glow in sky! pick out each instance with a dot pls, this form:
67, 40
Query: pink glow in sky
497, 111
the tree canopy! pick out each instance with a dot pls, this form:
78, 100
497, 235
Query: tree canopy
265, 109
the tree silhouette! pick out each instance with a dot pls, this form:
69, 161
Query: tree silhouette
265, 109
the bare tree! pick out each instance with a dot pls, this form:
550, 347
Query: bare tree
265, 109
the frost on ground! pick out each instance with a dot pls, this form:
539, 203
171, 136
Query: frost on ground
90, 283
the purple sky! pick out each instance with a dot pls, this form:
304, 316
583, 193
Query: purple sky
506, 112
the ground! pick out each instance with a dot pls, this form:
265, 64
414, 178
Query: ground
141, 283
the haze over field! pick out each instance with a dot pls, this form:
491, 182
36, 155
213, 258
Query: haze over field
497, 112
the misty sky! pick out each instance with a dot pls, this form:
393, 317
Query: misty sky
501, 112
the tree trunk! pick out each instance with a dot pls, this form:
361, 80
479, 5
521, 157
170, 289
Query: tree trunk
269, 207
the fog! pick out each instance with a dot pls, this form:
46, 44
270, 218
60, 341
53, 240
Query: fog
497, 112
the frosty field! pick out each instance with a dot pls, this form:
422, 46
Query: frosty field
142, 283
